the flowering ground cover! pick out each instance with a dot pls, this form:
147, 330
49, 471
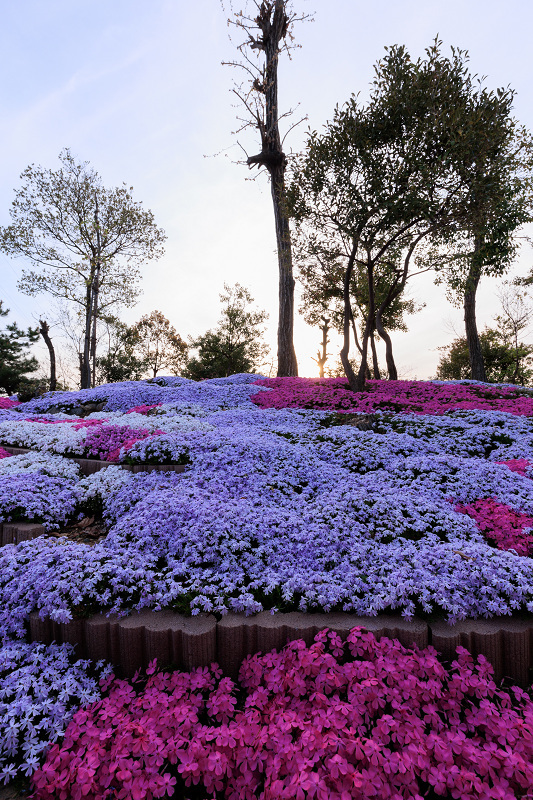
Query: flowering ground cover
285, 504
332, 721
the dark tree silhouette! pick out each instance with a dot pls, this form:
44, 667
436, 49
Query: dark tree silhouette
267, 35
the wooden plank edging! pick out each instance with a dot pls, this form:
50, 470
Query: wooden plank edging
88, 466
131, 642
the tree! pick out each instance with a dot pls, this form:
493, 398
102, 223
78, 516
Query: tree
322, 355
506, 358
44, 330
85, 242
498, 170
500, 358
235, 345
389, 178
514, 320
383, 180
15, 363
159, 345
322, 283
122, 362
273, 25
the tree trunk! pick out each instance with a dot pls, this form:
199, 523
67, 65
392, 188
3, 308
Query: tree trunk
363, 368
375, 365
44, 330
85, 357
287, 363
322, 357
273, 22
477, 366
391, 366
96, 288
368, 376
357, 382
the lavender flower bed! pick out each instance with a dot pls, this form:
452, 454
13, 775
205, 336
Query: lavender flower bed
40, 690
281, 508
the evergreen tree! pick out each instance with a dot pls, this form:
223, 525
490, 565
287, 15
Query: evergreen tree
15, 363
235, 345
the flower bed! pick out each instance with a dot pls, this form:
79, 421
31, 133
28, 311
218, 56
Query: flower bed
331, 721
284, 506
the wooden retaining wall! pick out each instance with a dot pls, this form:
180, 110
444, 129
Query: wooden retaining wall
88, 466
132, 642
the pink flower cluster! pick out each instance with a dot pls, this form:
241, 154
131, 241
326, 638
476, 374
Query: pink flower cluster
333, 721
519, 465
142, 409
76, 423
418, 397
501, 525
4, 453
79, 424
106, 441
6, 402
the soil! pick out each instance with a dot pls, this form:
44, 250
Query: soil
86, 531
13, 792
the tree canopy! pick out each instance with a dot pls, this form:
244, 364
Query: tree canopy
235, 345
159, 345
85, 243
388, 178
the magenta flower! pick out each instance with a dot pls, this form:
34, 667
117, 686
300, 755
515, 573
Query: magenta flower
501, 525
418, 397
333, 721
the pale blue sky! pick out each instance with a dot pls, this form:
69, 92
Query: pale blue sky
136, 88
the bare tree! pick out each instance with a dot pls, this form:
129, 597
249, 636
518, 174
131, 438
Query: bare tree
267, 36
322, 356
514, 320
44, 330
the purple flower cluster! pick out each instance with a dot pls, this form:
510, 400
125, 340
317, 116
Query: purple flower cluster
40, 689
285, 508
33, 497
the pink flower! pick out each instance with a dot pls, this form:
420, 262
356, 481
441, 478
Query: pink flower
311, 724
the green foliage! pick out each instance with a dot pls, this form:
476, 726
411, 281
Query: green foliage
84, 242
159, 345
504, 363
507, 359
397, 178
122, 361
145, 348
235, 345
15, 364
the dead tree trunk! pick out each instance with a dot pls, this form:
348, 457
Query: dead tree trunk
44, 330
96, 289
322, 357
273, 23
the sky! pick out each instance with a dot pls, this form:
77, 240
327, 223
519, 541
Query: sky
137, 89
